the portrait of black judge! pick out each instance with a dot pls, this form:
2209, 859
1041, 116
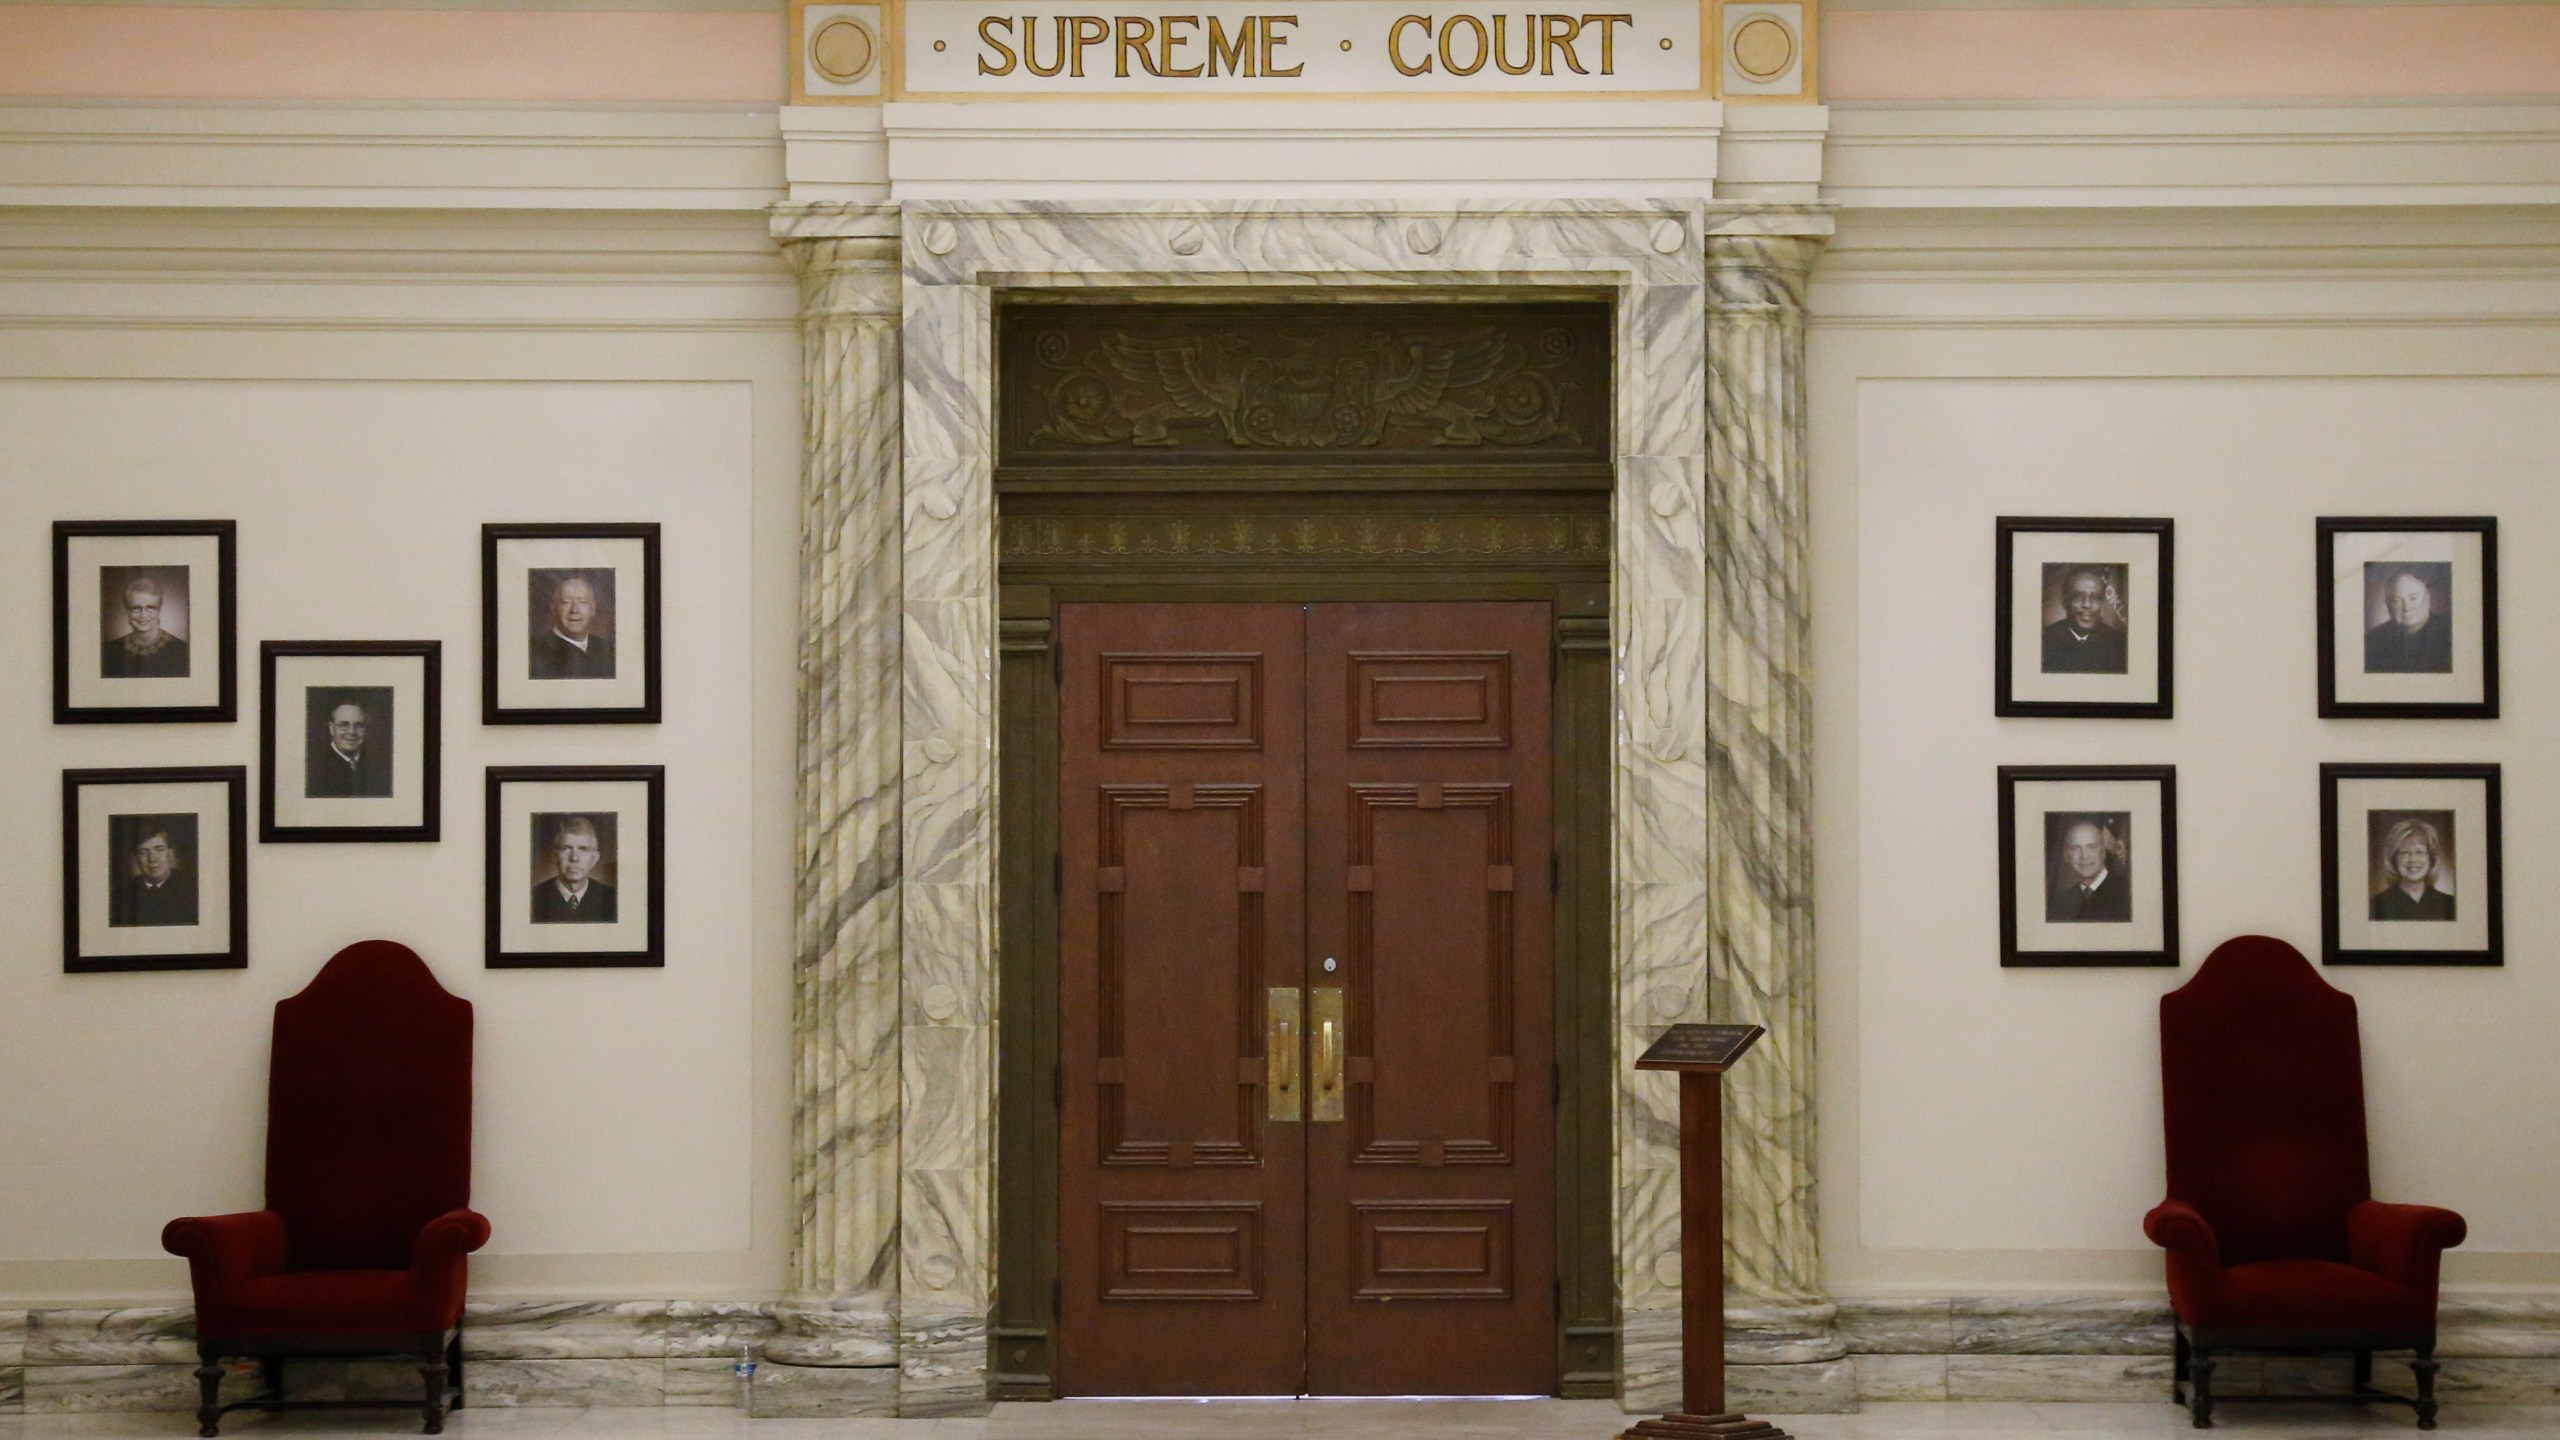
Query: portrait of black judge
2408, 617
570, 615
144, 617
153, 865
2088, 875
2410, 857
573, 860
2084, 610
346, 751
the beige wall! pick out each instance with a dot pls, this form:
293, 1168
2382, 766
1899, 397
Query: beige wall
360, 430
1990, 1129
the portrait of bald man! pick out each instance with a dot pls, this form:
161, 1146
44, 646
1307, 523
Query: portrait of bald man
572, 621
2088, 855
2414, 633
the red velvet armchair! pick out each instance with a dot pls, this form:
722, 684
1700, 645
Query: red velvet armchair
360, 1249
2275, 1241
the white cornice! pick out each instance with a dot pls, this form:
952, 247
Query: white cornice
2127, 156
368, 156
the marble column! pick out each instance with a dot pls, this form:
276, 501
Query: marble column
835, 1352
1759, 803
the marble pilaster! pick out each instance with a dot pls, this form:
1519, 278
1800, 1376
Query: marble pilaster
1759, 839
846, 1115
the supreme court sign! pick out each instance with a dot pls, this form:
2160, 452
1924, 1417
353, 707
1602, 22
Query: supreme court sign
1327, 47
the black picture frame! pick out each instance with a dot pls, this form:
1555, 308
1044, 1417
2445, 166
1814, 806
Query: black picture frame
276, 766
2008, 697
2331, 530
68, 707
502, 885
2014, 952
2335, 948
77, 848
498, 640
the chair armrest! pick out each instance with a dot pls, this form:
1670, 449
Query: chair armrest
435, 1261
2195, 1254
2403, 1243
222, 1250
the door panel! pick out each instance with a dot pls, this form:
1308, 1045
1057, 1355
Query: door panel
1430, 1207
1364, 1202
1181, 864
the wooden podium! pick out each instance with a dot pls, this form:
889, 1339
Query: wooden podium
1700, 1054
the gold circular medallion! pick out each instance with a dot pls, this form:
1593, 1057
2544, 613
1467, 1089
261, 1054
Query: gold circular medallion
843, 51
1763, 48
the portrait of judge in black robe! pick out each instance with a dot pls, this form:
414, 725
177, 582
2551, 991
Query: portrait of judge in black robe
571, 854
145, 607
2089, 879
2089, 638
2414, 635
572, 613
2409, 860
154, 870
347, 742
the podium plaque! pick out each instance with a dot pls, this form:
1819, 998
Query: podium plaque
1699, 1054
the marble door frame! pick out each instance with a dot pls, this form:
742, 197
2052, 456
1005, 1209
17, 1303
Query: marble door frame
1658, 263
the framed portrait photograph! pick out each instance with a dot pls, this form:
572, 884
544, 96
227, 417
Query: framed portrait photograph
144, 624
2409, 865
155, 869
350, 732
2409, 618
2088, 865
2083, 618
569, 624
577, 866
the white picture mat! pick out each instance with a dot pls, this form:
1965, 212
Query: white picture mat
518, 802
625, 556
296, 676
2352, 550
2029, 552
2037, 798
2467, 879
85, 555
210, 802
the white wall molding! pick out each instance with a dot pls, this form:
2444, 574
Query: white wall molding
1338, 150
1953, 154
578, 157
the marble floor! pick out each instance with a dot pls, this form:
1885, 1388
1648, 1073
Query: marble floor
1309, 1420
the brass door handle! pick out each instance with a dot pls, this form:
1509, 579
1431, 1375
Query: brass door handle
1280, 1054
1330, 1028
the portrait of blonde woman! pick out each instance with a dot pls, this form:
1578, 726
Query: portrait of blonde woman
2412, 865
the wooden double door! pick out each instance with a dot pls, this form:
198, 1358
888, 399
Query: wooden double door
1306, 1038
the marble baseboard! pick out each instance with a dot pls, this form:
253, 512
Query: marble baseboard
1819, 1387
825, 1392
498, 1384
13, 1389
2100, 1379
89, 1389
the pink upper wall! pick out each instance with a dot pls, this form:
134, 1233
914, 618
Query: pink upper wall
245, 54
2273, 53
2276, 52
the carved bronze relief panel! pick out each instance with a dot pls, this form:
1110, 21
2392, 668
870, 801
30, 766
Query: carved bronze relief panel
1286, 385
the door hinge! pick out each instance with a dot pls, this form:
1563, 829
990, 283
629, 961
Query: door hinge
1057, 874
1559, 1294
1058, 662
1057, 1298
1555, 1076
1057, 1085
1555, 873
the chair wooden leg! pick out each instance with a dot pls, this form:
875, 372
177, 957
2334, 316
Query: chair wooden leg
453, 1365
2178, 1365
209, 1395
431, 1370
2200, 1369
2424, 1367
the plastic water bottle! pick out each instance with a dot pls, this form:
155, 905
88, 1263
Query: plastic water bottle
746, 1373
